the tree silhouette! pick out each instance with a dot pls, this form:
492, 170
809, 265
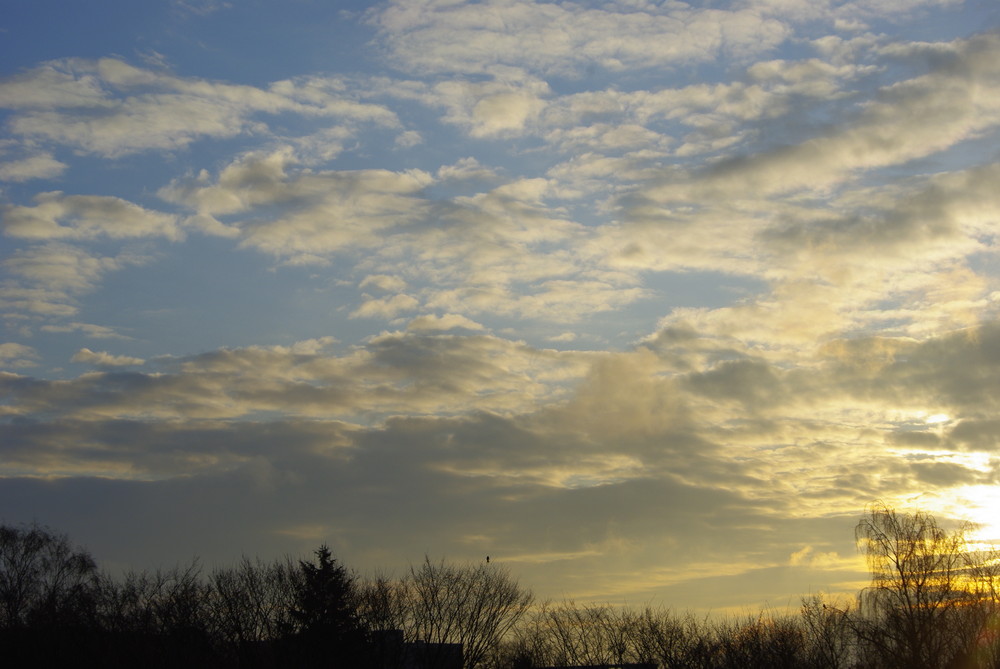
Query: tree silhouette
473, 605
251, 608
924, 608
324, 614
47, 597
43, 579
933, 603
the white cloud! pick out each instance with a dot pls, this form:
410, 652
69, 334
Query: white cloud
465, 168
435, 36
113, 108
466, 255
652, 126
710, 114
810, 77
56, 215
415, 372
40, 166
60, 267
105, 359
590, 175
18, 299
503, 106
912, 119
318, 213
409, 139
252, 179
135, 126
385, 307
840, 249
51, 276
201, 7
502, 112
17, 355
87, 329
442, 323
607, 137
53, 85
384, 282
322, 146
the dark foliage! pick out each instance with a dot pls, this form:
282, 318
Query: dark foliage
326, 631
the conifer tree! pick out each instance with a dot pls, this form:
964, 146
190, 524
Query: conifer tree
325, 611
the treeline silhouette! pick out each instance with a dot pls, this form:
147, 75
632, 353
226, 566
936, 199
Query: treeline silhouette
933, 603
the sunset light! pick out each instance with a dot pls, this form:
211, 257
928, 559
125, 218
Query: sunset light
980, 504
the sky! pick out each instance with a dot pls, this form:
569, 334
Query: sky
645, 300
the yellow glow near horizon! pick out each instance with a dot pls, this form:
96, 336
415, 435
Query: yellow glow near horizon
979, 504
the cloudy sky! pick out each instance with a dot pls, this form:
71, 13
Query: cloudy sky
646, 300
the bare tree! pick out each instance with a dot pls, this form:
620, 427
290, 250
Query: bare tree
163, 614
474, 605
829, 637
922, 609
43, 579
251, 606
384, 603
571, 634
582, 634
761, 642
657, 636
